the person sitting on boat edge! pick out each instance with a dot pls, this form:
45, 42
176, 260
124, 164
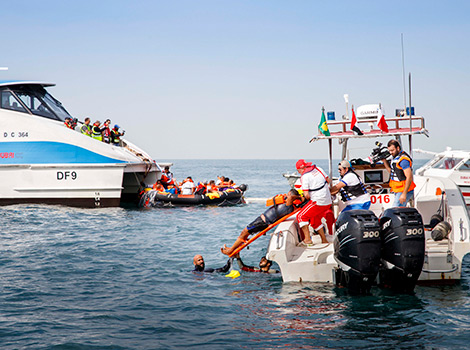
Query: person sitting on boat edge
270, 216
158, 186
225, 184
264, 265
211, 187
401, 174
200, 266
86, 127
351, 188
167, 177
316, 190
201, 188
188, 186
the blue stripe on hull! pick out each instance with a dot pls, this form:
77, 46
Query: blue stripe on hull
45, 152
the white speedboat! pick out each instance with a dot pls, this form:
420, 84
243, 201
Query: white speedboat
42, 161
437, 197
450, 164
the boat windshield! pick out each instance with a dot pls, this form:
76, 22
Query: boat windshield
37, 101
465, 166
447, 163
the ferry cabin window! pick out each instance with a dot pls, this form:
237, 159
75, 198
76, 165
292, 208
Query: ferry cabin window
465, 166
35, 105
447, 163
8, 101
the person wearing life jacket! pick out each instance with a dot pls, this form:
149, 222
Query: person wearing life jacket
211, 187
315, 187
350, 187
68, 123
96, 131
85, 129
264, 265
159, 186
167, 177
278, 209
115, 136
105, 131
188, 186
225, 184
401, 174
201, 188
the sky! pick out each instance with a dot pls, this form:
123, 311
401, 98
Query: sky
243, 79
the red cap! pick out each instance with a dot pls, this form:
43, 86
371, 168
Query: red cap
301, 163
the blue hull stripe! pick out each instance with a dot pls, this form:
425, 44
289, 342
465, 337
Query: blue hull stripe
45, 152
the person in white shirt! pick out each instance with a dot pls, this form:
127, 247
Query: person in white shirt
316, 189
188, 186
350, 187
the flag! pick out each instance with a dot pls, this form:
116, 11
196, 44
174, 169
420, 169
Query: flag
381, 123
323, 127
353, 124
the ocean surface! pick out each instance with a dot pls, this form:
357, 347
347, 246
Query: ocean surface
121, 278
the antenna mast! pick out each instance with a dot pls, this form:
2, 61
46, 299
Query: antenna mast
403, 68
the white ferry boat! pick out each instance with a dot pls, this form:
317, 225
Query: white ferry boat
437, 192
42, 161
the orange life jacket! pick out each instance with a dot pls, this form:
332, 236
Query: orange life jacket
158, 187
278, 199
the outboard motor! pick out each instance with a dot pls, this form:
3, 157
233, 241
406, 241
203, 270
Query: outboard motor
402, 233
357, 250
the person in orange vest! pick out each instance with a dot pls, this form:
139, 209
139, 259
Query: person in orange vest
167, 177
225, 184
270, 216
212, 187
201, 188
158, 186
401, 174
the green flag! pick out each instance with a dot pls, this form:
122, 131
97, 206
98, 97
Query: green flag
323, 127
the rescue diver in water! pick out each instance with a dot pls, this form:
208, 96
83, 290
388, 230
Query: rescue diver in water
200, 266
269, 217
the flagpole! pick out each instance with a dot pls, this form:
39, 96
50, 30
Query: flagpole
345, 142
411, 123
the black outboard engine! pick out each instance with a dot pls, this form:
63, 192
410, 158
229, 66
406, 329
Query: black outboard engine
357, 250
402, 233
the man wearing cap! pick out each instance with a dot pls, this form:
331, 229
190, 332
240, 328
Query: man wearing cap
315, 186
350, 187
115, 136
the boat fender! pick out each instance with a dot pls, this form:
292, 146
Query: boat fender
435, 219
441, 231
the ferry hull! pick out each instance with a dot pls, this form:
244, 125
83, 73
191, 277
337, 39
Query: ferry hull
75, 185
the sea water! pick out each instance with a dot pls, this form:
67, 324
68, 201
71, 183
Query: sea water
120, 278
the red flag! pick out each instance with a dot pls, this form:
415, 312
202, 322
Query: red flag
381, 123
353, 123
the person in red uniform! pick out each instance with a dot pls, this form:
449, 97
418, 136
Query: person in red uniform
315, 187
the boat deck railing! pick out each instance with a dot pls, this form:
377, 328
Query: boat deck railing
409, 125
